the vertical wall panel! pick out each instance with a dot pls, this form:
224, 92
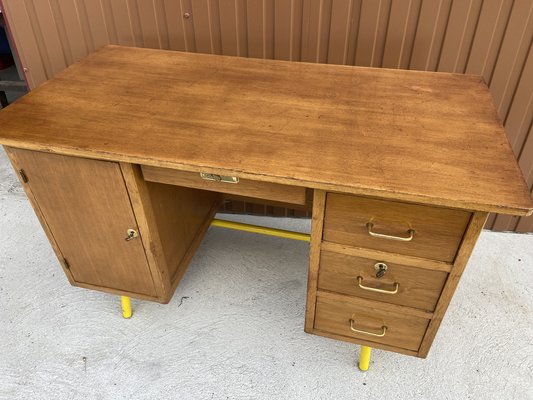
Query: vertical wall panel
43, 19
122, 22
26, 42
135, 22
520, 113
149, 25
430, 32
514, 49
524, 224
488, 36
111, 29
188, 25
214, 27
287, 29
400, 34
160, 17
260, 24
49, 67
255, 24
206, 21
491, 38
315, 30
373, 24
69, 27
202, 27
174, 23
228, 27
96, 22
341, 23
459, 35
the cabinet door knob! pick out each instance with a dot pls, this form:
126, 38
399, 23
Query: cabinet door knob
132, 233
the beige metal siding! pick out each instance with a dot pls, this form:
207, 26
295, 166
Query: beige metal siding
486, 37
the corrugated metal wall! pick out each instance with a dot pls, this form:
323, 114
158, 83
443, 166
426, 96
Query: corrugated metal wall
486, 37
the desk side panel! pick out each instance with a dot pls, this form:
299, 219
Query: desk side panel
317, 225
173, 221
467, 246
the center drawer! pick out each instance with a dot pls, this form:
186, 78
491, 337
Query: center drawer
227, 184
396, 227
399, 284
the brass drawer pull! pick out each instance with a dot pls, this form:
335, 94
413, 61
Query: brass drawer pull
383, 330
371, 289
219, 178
411, 233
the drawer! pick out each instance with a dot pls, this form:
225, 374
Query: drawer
400, 284
403, 228
348, 317
244, 187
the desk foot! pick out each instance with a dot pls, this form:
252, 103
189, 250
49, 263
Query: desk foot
125, 301
364, 358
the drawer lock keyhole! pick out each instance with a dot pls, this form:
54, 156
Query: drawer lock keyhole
380, 268
131, 234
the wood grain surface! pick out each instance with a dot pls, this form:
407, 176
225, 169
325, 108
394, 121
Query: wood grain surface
333, 314
88, 211
317, 224
437, 231
249, 188
417, 136
417, 287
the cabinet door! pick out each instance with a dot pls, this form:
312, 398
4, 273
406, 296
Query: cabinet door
87, 210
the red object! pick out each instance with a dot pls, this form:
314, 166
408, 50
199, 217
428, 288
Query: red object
6, 61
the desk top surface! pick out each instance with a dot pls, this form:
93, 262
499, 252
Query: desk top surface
416, 136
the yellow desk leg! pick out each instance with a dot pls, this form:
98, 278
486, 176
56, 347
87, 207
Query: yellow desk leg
125, 301
364, 358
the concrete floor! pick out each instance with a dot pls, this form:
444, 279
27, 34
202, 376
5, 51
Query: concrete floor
234, 329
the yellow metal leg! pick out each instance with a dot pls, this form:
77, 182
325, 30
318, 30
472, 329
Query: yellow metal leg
125, 301
364, 358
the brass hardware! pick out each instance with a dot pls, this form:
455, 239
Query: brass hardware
23, 176
371, 289
383, 330
186, 15
131, 234
380, 268
219, 178
411, 233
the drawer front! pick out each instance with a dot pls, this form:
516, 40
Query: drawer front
244, 187
400, 284
347, 316
403, 228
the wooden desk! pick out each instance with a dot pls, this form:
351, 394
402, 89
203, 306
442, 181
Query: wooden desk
400, 169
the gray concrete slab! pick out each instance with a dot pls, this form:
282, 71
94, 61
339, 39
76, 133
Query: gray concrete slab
234, 329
